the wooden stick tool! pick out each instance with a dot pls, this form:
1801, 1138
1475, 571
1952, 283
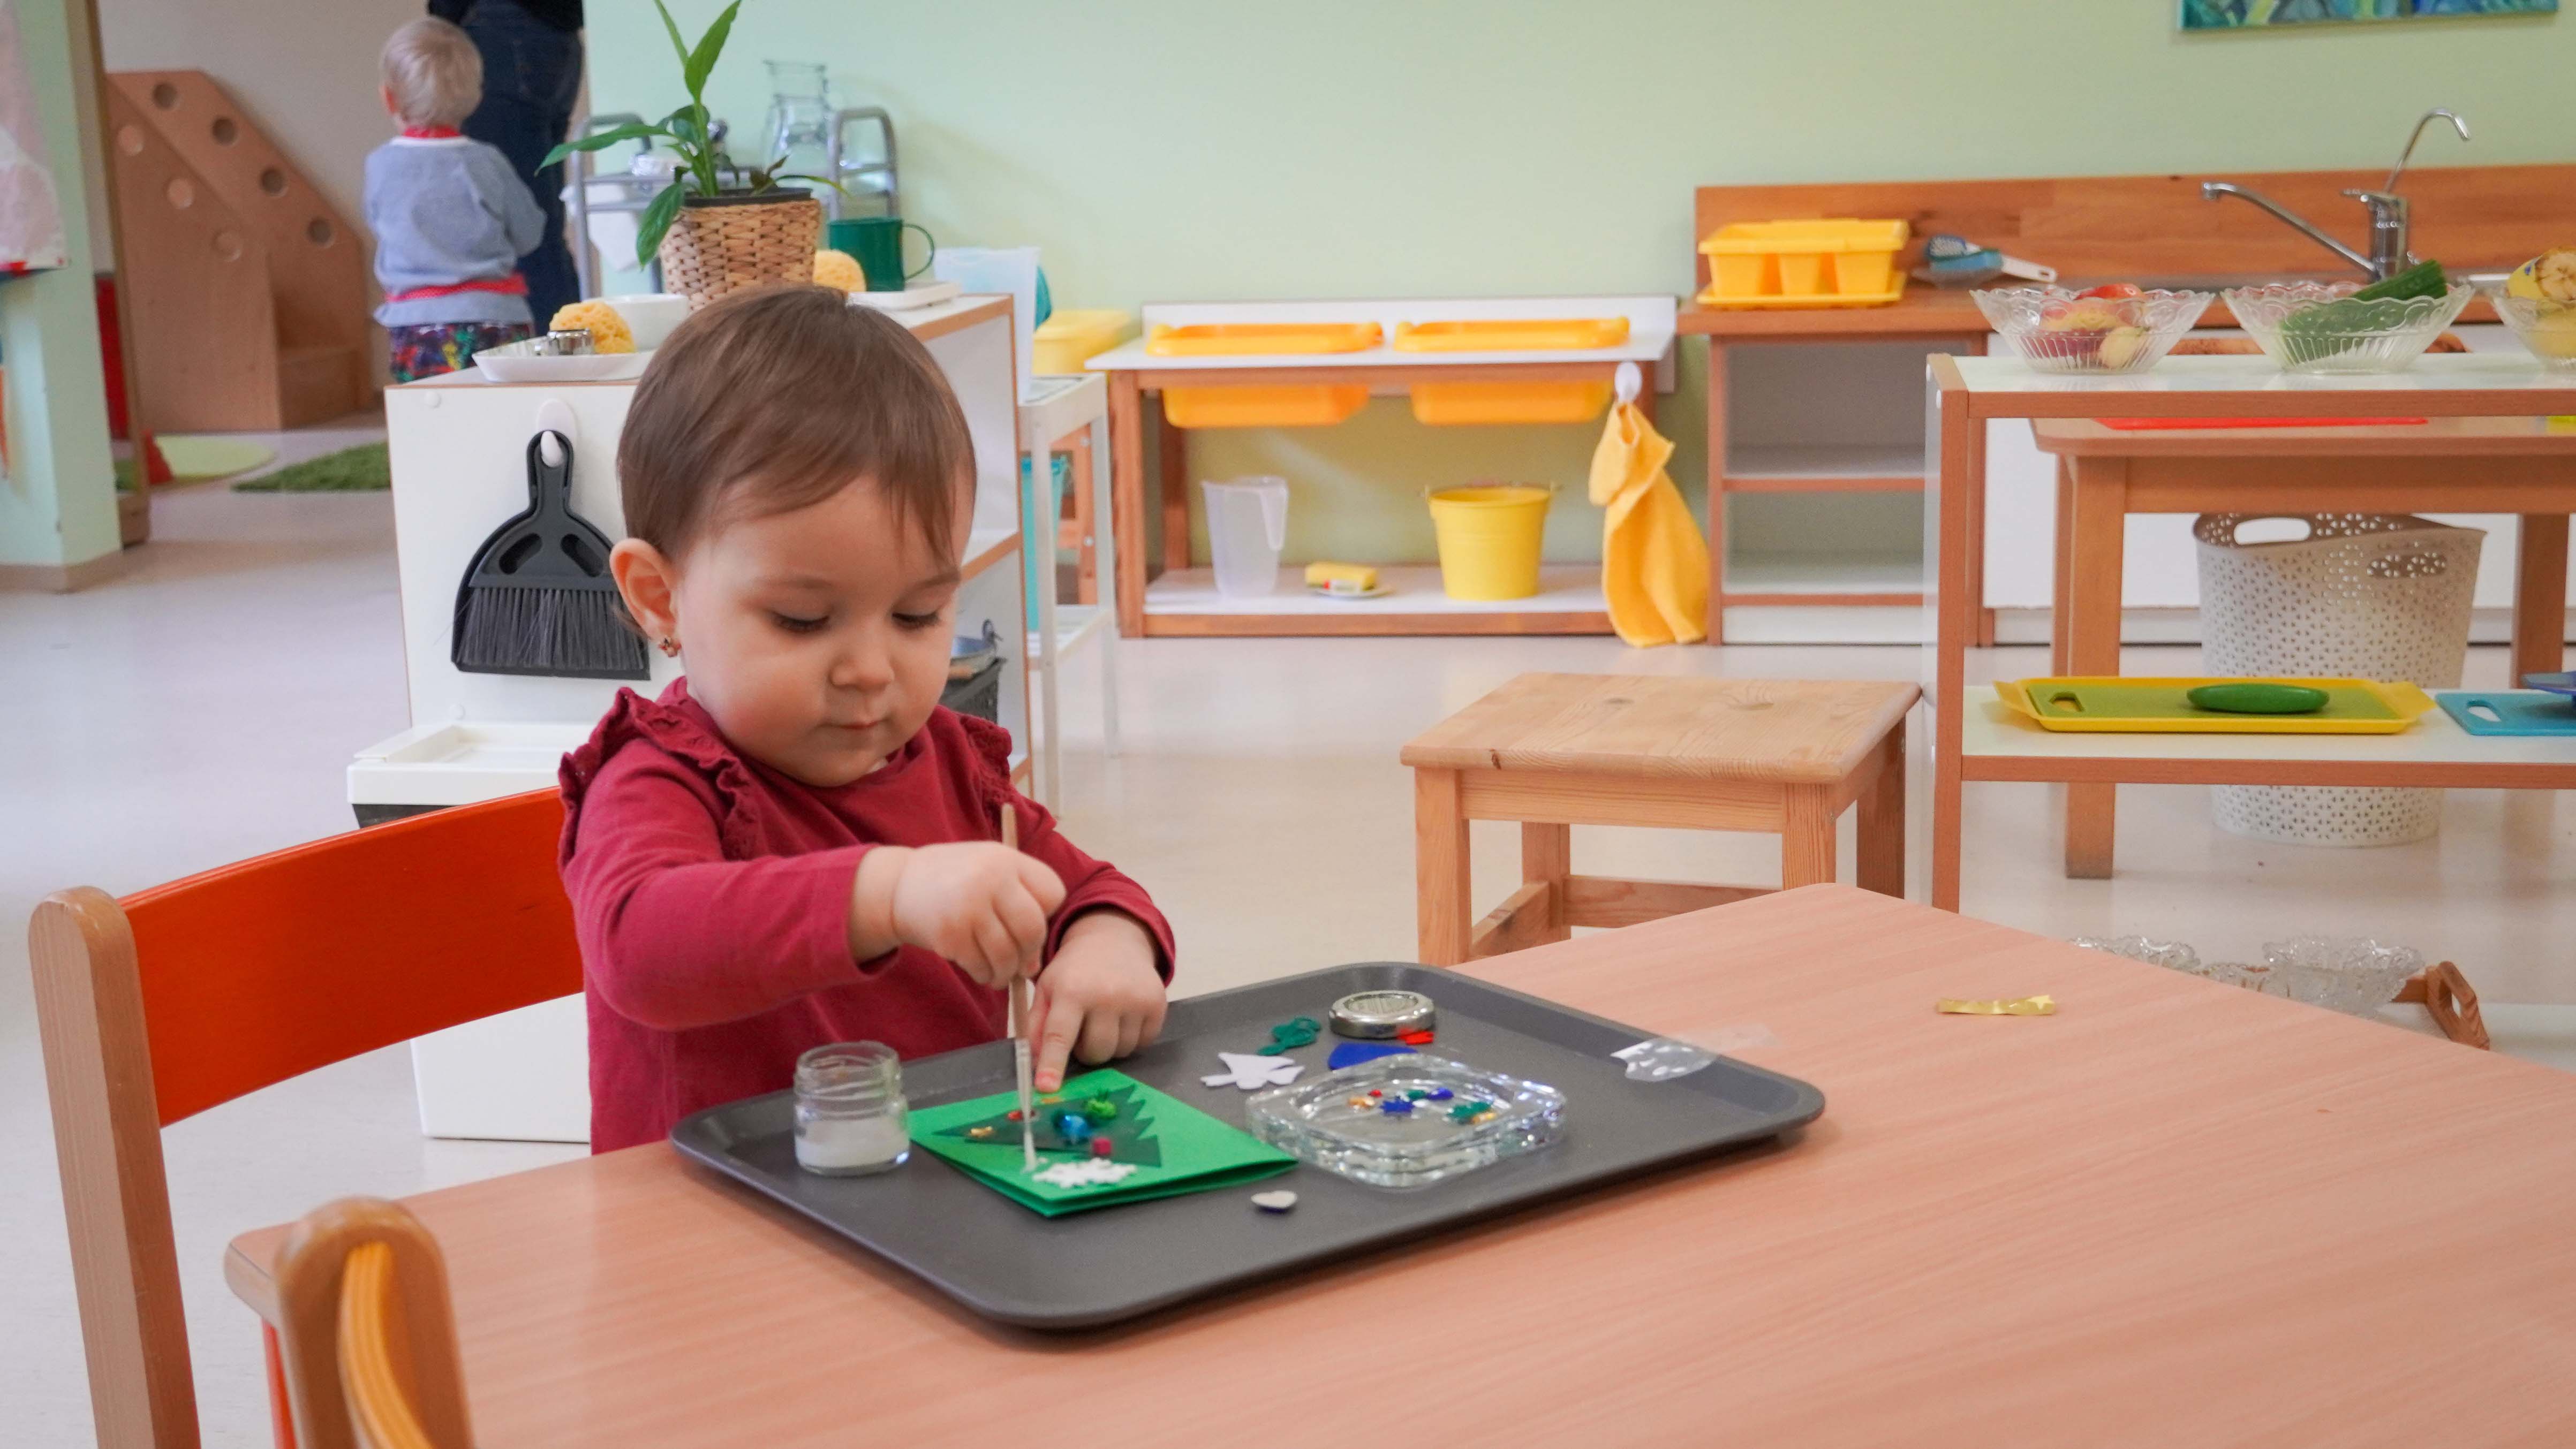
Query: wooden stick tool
1020, 1064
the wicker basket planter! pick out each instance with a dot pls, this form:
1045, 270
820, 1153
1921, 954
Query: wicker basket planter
718, 244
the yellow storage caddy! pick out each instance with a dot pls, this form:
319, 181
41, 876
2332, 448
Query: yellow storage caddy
2142, 704
1263, 405
1446, 404
1541, 334
1837, 262
1262, 339
1071, 338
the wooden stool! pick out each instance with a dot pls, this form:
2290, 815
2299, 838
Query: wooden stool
1554, 751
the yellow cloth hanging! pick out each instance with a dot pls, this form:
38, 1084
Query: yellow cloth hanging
1654, 564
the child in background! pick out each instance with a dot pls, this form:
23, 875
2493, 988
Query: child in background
795, 845
449, 217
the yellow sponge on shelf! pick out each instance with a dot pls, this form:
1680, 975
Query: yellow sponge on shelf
1341, 578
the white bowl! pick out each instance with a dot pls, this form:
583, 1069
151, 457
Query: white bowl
516, 362
650, 316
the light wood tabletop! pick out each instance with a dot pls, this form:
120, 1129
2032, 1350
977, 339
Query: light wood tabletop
1811, 730
2175, 1213
2428, 437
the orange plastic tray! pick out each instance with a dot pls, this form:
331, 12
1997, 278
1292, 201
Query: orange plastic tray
1263, 405
1262, 339
1530, 335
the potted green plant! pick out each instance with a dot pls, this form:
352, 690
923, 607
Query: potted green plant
712, 237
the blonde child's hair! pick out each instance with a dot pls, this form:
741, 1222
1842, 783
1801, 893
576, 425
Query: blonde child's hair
434, 73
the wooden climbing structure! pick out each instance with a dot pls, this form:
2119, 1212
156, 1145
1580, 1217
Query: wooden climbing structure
248, 292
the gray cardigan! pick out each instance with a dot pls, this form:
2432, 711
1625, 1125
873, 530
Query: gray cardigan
444, 211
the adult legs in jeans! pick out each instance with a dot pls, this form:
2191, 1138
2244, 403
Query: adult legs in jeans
531, 77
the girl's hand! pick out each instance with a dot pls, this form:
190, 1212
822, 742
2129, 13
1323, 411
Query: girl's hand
983, 906
1100, 998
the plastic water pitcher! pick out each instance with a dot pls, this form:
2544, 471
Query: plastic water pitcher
1247, 523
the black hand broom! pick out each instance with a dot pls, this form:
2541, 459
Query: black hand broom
538, 598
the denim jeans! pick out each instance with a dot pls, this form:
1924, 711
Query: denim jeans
531, 77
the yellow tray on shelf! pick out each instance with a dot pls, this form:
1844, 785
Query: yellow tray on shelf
1470, 404
1264, 405
2139, 704
1543, 334
1262, 339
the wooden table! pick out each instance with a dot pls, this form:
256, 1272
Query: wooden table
2174, 1214
1569, 601
2523, 466
1966, 393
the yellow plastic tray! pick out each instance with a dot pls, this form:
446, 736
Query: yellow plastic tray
2353, 706
1460, 404
1532, 335
1834, 262
1262, 339
1257, 405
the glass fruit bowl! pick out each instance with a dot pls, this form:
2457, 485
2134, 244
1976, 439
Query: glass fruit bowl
2547, 328
2356, 976
2316, 327
2056, 330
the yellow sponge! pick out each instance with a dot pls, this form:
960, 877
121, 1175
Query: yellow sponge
839, 269
608, 330
1341, 578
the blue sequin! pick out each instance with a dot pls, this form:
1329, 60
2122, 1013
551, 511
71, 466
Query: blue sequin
1395, 1106
1072, 1126
1441, 1094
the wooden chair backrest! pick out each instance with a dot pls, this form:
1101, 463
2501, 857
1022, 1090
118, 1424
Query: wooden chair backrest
366, 1332
2470, 217
190, 994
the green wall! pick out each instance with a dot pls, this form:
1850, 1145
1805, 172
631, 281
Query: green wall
1173, 150
58, 501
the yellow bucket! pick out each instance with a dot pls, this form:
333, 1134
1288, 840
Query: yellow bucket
1489, 540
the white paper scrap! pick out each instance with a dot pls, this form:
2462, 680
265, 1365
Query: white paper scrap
1253, 1072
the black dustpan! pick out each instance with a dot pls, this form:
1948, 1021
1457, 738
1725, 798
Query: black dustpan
538, 598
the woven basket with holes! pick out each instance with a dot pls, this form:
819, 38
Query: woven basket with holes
723, 244
2362, 596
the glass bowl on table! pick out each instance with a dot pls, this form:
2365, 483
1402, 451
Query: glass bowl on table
2548, 328
2317, 327
2057, 330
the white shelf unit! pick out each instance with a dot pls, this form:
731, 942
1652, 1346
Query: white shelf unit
1999, 743
458, 447
1052, 409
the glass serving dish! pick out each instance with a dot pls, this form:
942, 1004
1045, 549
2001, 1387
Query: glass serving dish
2376, 336
2352, 975
2547, 328
2056, 331
1407, 1121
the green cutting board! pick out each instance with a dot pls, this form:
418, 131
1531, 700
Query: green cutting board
2143, 705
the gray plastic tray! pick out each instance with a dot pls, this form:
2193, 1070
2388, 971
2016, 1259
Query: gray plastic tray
1085, 1269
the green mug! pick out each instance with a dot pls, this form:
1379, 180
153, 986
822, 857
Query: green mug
876, 243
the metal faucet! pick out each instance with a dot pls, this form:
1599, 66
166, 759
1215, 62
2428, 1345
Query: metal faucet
2388, 219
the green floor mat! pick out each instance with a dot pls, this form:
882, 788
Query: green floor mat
362, 469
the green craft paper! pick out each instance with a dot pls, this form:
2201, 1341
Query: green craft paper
1184, 1150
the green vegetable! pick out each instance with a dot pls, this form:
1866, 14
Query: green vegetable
2258, 698
2356, 314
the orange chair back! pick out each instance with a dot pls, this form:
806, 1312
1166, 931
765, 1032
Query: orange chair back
257, 972
188, 995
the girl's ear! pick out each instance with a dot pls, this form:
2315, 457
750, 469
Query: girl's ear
650, 587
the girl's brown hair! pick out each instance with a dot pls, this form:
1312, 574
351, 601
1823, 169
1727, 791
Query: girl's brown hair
771, 400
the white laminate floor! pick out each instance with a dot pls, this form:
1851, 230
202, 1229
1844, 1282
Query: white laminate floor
202, 707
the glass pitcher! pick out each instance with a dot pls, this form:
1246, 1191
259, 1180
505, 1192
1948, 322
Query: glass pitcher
800, 117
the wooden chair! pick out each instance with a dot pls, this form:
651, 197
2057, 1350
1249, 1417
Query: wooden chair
369, 1343
188, 995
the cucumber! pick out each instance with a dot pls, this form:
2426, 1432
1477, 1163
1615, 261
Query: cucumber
2258, 698
2356, 314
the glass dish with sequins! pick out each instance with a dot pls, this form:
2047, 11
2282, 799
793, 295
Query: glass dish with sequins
1407, 1121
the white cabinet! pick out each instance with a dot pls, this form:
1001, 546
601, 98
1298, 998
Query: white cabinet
459, 450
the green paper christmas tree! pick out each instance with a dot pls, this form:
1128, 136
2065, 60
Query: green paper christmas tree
1130, 1132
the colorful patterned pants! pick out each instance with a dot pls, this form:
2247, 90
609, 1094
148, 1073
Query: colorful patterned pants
437, 347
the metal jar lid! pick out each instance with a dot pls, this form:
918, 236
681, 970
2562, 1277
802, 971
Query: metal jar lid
564, 342
1381, 1015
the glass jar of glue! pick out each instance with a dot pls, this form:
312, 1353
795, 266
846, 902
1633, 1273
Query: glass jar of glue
851, 1118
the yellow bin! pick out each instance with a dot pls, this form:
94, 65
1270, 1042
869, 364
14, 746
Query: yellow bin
1489, 540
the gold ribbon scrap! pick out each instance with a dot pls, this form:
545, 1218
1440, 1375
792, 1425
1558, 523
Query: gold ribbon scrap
2025, 1006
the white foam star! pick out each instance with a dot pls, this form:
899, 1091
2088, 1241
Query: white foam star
1250, 1072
